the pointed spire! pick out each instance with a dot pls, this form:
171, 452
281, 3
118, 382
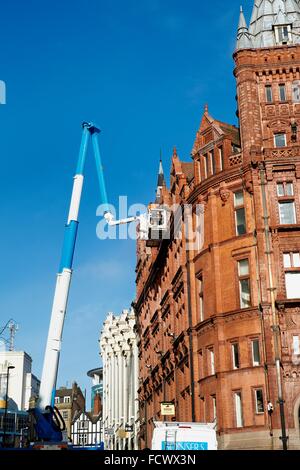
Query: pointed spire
161, 176
175, 152
242, 20
160, 180
243, 36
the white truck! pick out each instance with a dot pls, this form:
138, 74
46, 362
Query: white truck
184, 436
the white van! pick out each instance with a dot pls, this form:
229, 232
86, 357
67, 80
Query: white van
184, 436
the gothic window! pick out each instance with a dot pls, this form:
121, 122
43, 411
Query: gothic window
296, 91
291, 262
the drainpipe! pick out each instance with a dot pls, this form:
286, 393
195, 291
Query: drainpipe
275, 326
188, 214
261, 316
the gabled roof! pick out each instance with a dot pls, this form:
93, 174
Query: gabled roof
90, 417
219, 128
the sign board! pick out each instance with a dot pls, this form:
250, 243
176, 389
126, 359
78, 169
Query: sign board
167, 409
122, 434
109, 431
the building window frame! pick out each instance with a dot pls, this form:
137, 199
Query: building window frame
296, 345
255, 362
280, 140
214, 408
296, 91
205, 165
67, 399
212, 161
221, 157
259, 400
291, 264
235, 355
239, 213
286, 195
283, 34
200, 291
282, 92
238, 408
269, 93
212, 360
243, 280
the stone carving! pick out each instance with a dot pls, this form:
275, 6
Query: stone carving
224, 194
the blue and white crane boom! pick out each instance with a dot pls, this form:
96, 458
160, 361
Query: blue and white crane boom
54, 340
53, 347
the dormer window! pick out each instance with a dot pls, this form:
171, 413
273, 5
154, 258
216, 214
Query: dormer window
283, 34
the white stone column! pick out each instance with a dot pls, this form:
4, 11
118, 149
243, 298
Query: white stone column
130, 394
116, 396
120, 392
110, 400
125, 390
136, 396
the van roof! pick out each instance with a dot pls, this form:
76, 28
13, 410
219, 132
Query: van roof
172, 424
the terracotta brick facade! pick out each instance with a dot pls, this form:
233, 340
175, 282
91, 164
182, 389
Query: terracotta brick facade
213, 320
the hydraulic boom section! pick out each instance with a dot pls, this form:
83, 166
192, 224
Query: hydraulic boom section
154, 221
51, 359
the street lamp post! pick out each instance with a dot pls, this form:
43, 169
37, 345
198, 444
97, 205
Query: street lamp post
6, 406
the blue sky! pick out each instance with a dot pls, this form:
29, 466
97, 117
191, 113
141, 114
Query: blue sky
141, 69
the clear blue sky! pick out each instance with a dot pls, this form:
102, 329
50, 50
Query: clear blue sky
141, 69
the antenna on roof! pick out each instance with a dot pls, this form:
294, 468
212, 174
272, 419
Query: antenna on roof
12, 326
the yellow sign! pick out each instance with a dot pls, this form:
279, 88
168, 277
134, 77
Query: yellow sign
123, 434
167, 409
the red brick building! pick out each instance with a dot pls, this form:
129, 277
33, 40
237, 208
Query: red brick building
219, 322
